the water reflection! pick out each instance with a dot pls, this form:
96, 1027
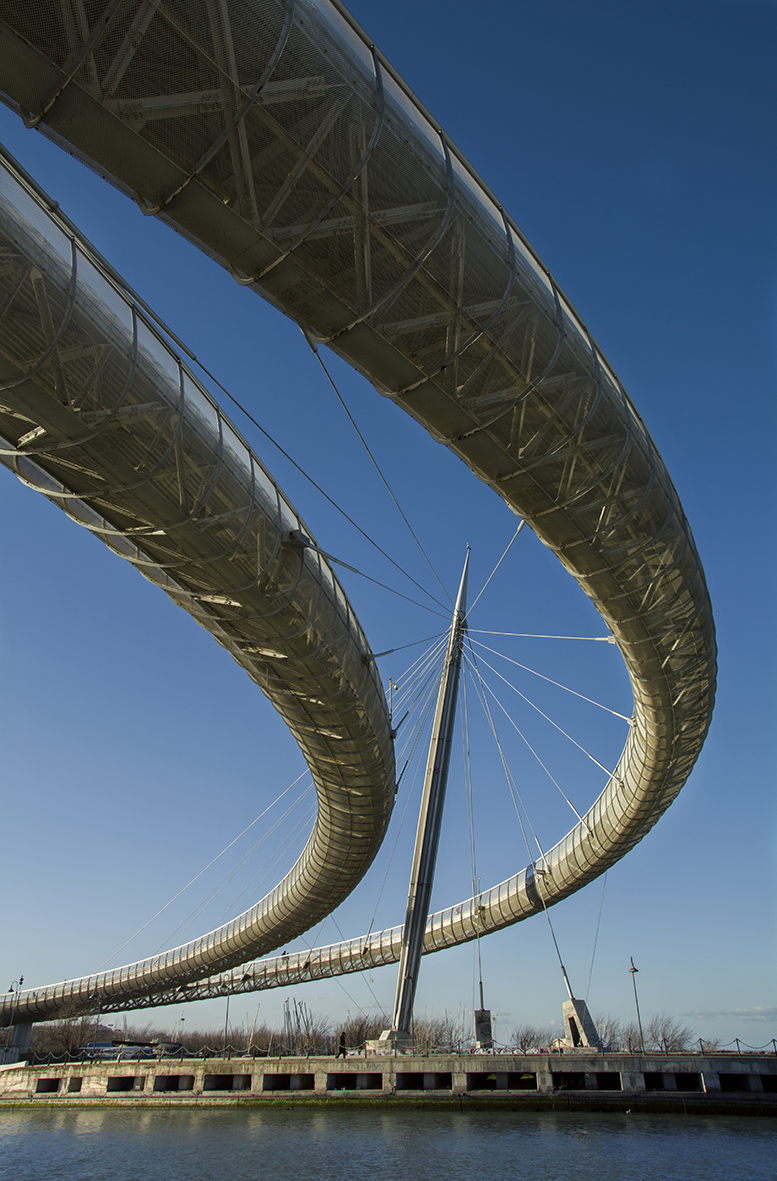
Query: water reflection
246, 1144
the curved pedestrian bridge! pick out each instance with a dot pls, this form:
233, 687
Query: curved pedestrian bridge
278, 139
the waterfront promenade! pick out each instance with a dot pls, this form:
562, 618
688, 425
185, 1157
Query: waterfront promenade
713, 1083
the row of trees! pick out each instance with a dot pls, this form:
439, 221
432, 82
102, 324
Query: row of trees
305, 1032
661, 1032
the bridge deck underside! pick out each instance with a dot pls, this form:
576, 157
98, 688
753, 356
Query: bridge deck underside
279, 141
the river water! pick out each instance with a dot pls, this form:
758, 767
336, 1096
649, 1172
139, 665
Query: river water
404, 1145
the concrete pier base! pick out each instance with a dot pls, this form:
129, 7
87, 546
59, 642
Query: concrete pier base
17, 1048
579, 1027
585, 1081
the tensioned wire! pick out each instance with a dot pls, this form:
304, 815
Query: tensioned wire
420, 671
206, 867
415, 734
378, 470
353, 569
418, 677
423, 713
537, 636
336, 506
413, 740
496, 567
523, 737
104, 265
550, 681
596, 937
311, 947
292, 840
363, 973
375, 581
284, 858
295, 838
426, 674
483, 686
399, 509
515, 793
464, 713
549, 719
519, 731
410, 686
410, 689
422, 707
423, 702
228, 877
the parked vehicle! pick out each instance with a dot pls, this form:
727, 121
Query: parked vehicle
100, 1050
167, 1049
132, 1051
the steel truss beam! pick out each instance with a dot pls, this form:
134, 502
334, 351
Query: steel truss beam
520, 392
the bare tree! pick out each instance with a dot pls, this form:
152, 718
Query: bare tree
527, 1038
362, 1028
68, 1036
611, 1030
667, 1033
435, 1033
315, 1035
662, 1032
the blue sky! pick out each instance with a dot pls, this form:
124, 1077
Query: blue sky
634, 145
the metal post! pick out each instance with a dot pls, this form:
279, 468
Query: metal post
430, 820
634, 971
226, 1027
16, 988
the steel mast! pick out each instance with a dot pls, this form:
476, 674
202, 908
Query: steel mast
429, 823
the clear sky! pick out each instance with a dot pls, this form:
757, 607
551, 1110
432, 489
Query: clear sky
634, 145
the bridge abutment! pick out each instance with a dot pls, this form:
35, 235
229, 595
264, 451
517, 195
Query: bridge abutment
680, 1082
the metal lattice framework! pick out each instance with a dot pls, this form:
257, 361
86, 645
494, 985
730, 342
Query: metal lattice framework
102, 417
278, 139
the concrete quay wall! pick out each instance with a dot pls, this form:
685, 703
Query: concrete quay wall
678, 1082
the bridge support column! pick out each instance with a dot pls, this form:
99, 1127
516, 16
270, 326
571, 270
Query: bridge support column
428, 834
578, 1024
17, 1048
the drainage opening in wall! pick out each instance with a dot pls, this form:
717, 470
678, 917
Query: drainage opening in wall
734, 1082
687, 1080
288, 1082
126, 1082
416, 1080
227, 1082
354, 1081
174, 1082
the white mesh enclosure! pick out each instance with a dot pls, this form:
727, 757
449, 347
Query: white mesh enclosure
98, 414
279, 141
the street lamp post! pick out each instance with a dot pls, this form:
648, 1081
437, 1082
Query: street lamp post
226, 1028
634, 971
16, 988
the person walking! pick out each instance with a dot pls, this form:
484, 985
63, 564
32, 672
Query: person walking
341, 1051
